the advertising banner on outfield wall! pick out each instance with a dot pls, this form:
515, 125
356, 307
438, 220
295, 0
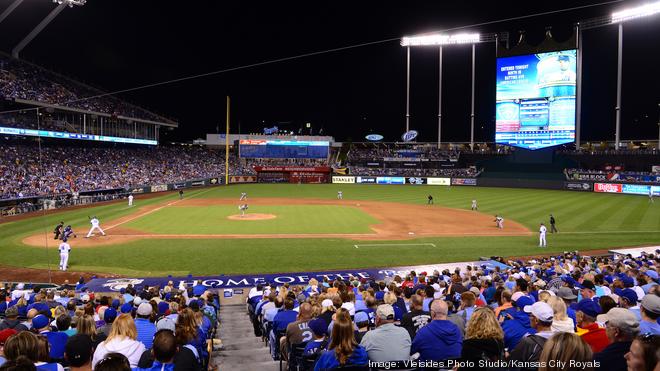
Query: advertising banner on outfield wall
300, 278
415, 180
138, 190
438, 181
242, 179
608, 188
159, 188
343, 179
464, 181
365, 179
198, 183
390, 180
578, 186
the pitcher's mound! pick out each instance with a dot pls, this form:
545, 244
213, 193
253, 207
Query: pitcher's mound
252, 217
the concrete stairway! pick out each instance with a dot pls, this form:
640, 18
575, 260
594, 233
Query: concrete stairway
241, 349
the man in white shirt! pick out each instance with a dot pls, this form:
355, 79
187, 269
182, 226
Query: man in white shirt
95, 225
130, 200
64, 255
542, 231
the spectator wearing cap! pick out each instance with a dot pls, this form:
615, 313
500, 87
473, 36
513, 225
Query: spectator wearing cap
145, 328
328, 309
588, 290
318, 342
297, 331
515, 322
628, 299
653, 279
622, 328
386, 342
567, 295
109, 317
78, 352
440, 339
57, 340
362, 322
586, 312
11, 320
416, 318
4, 335
650, 312
530, 347
560, 320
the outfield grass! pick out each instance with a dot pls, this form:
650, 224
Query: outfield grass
585, 220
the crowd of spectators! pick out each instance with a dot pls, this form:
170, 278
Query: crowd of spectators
407, 172
601, 313
21, 80
379, 151
613, 175
147, 329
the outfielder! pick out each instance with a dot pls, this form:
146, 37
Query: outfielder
340, 195
243, 196
651, 194
64, 255
474, 205
130, 200
542, 231
430, 200
58, 230
243, 208
499, 221
95, 225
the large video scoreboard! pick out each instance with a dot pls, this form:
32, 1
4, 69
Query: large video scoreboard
262, 148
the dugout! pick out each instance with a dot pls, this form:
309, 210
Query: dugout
293, 174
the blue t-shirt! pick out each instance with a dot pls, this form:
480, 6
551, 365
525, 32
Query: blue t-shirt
57, 341
283, 318
313, 346
157, 366
145, 332
646, 327
327, 360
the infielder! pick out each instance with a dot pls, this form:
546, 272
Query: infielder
95, 225
64, 255
430, 200
474, 205
130, 200
542, 231
340, 195
58, 230
243, 208
243, 196
651, 195
499, 221
181, 194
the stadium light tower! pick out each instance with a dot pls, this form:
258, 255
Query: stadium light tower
440, 40
618, 18
61, 5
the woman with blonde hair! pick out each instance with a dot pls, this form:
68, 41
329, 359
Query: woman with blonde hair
343, 350
561, 349
561, 322
122, 339
484, 338
87, 326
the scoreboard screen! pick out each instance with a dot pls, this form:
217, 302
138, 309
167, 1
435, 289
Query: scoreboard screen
251, 148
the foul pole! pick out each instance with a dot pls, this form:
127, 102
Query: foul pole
227, 146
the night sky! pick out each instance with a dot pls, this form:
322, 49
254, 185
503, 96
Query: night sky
119, 44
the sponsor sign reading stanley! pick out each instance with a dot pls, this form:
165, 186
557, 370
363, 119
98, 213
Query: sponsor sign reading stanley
343, 179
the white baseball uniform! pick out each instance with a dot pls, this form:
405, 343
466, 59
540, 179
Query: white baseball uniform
64, 255
340, 195
474, 205
242, 208
130, 200
542, 231
500, 222
95, 225
243, 196
650, 194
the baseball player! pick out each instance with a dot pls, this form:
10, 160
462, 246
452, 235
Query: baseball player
243, 196
243, 208
68, 231
181, 194
58, 230
542, 231
340, 195
130, 200
553, 228
499, 221
430, 200
64, 254
474, 206
651, 195
95, 225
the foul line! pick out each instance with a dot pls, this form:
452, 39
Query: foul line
607, 232
156, 209
395, 244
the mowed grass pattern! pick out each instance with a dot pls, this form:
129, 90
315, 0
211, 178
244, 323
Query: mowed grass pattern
291, 219
585, 220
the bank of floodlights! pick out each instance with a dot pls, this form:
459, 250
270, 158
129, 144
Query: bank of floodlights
637, 12
441, 39
70, 3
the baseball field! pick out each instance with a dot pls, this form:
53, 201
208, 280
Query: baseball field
291, 228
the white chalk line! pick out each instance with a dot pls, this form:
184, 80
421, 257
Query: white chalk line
394, 244
605, 232
157, 209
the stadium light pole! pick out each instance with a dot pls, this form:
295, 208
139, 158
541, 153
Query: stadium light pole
578, 106
440, 40
10, 9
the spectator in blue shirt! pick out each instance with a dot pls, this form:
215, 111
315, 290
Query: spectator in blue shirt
57, 340
440, 339
284, 317
145, 329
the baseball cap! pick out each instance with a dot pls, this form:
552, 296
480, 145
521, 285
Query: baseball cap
5, 334
629, 294
318, 326
379, 295
548, 291
137, 301
361, 317
78, 349
166, 324
163, 307
588, 307
144, 309
627, 281
475, 291
110, 314
524, 301
566, 293
540, 310
516, 295
40, 321
652, 274
126, 308
85, 298
539, 283
587, 284
651, 303
385, 311
11, 311
621, 317
350, 307
327, 303
115, 304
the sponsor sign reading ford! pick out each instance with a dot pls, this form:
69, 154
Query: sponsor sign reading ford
409, 135
607, 187
343, 179
374, 137
438, 181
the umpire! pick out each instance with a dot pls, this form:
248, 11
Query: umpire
553, 229
58, 230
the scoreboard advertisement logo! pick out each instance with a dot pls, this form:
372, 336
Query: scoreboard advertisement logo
608, 188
